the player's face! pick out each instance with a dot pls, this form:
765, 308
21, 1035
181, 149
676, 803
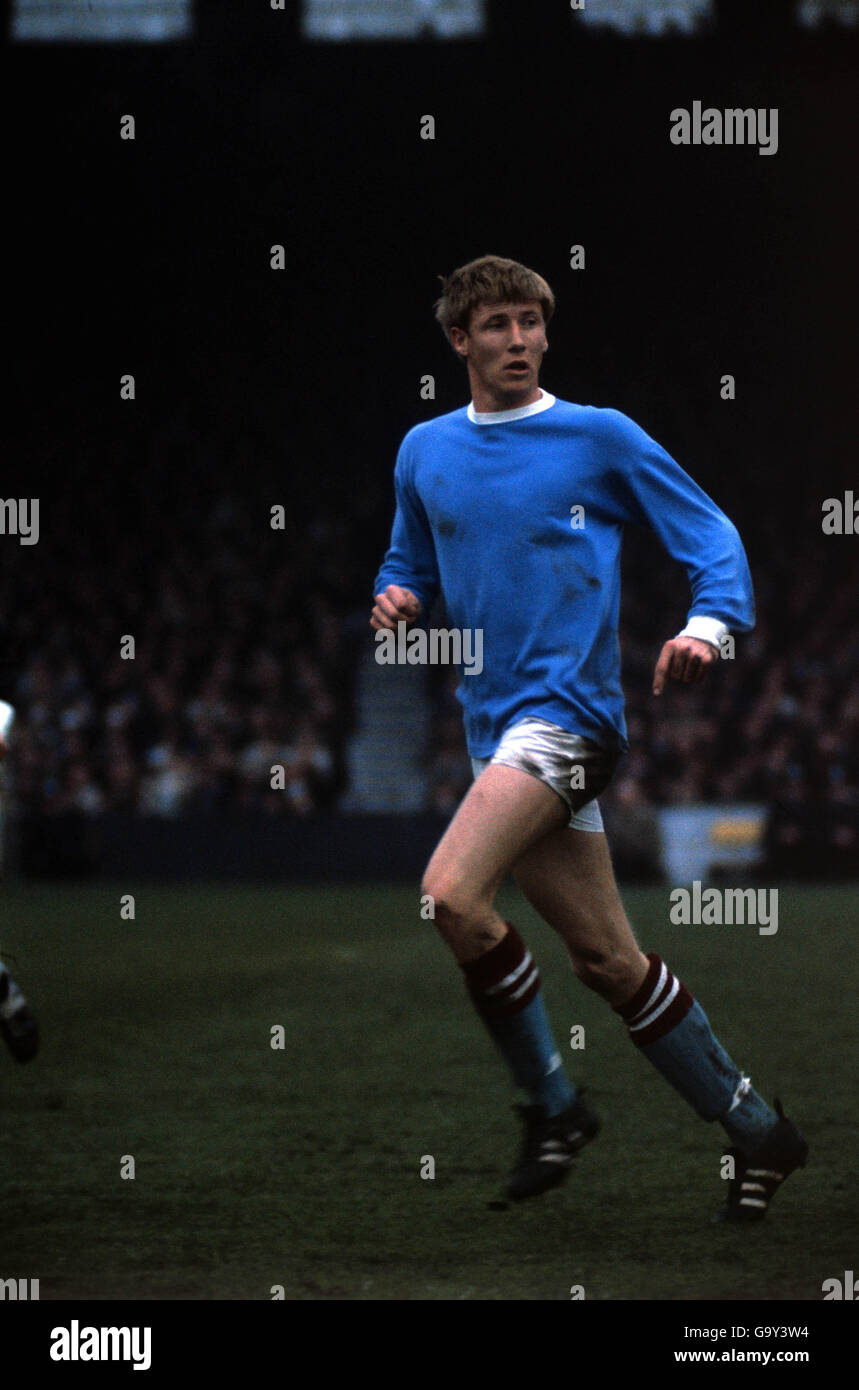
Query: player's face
504, 349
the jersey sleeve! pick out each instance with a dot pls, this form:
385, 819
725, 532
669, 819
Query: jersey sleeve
410, 560
654, 490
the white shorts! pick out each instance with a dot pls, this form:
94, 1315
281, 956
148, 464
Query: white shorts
575, 767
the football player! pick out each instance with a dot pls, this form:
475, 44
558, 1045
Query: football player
514, 507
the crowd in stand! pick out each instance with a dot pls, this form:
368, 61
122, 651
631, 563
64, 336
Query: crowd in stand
239, 663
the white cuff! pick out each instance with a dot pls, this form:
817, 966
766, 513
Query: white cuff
711, 630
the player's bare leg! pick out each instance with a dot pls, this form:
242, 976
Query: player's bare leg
504, 813
569, 879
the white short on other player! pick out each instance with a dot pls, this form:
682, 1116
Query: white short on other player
7, 719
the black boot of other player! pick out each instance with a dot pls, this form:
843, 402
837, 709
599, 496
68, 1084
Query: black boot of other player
18, 1027
759, 1175
548, 1148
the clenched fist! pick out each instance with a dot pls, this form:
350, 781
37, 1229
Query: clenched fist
394, 606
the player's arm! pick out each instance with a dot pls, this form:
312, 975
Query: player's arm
655, 490
408, 581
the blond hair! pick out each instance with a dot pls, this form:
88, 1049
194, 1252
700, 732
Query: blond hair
489, 280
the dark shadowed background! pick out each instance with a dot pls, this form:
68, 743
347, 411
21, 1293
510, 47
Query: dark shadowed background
257, 387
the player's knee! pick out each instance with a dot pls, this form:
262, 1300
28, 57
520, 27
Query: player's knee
446, 895
606, 972
456, 912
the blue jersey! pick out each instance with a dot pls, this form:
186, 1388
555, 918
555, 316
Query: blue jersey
486, 513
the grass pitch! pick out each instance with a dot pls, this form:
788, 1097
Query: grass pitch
301, 1166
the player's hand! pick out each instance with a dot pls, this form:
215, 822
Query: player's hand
685, 659
394, 606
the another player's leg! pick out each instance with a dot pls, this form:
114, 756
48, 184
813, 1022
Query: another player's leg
18, 1027
504, 813
568, 878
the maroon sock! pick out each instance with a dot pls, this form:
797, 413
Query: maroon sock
505, 979
658, 1005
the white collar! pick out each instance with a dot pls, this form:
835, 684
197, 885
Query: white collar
500, 417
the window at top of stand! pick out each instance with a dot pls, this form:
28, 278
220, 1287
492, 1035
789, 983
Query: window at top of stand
102, 21
393, 19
